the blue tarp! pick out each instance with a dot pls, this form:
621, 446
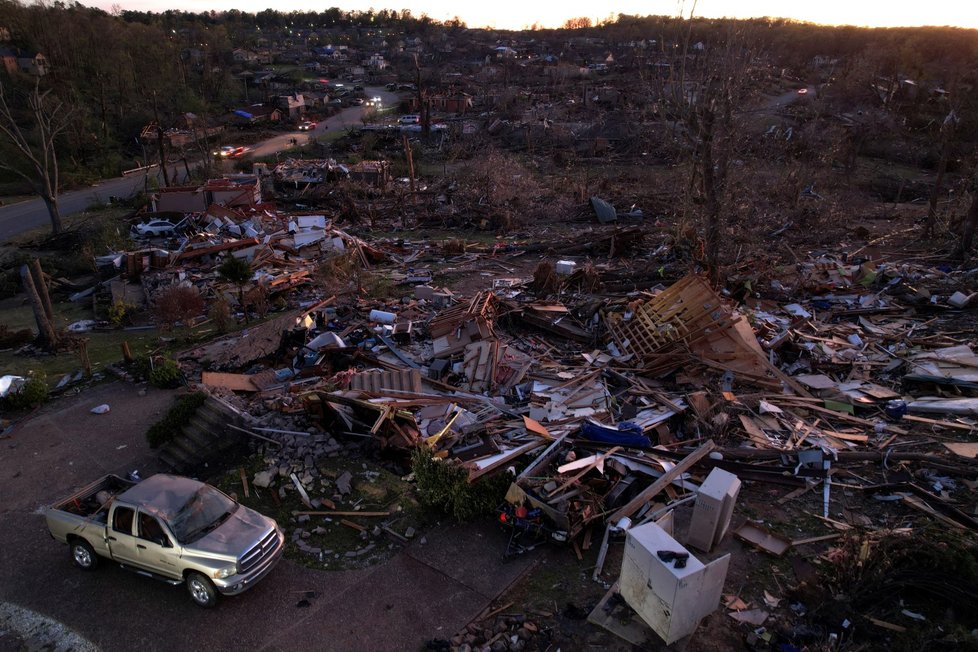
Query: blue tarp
243, 114
626, 434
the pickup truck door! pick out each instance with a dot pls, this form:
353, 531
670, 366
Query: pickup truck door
154, 546
122, 543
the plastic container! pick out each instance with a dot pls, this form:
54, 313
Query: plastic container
382, 317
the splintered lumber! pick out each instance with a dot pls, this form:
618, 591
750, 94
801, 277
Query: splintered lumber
653, 489
596, 461
476, 471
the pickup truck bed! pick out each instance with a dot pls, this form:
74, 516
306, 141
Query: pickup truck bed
89, 503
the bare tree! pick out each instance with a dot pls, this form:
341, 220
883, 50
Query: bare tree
947, 134
48, 117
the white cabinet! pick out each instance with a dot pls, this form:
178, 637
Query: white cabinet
671, 600
714, 507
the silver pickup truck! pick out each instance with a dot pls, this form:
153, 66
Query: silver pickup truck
171, 528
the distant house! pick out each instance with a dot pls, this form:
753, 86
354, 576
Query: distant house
254, 114
265, 113
293, 106
31, 63
504, 52
376, 61
241, 55
8, 57
373, 173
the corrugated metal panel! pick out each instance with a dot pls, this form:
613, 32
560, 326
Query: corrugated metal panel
405, 380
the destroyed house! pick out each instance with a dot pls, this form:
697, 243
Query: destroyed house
373, 173
243, 190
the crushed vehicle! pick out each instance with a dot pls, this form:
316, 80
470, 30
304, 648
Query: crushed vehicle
169, 528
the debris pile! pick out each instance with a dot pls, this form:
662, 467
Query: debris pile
607, 393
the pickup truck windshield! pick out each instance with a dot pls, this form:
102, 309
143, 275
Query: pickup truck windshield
205, 510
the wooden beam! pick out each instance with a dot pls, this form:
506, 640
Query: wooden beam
244, 482
652, 490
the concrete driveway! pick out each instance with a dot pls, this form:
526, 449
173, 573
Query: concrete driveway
430, 589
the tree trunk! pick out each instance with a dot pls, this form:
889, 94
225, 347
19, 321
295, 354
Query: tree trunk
938, 182
970, 223
712, 193
42, 289
54, 212
45, 328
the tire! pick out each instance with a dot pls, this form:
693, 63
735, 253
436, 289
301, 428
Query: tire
201, 590
83, 555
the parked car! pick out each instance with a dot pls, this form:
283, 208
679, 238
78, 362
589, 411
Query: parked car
410, 119
170, 528
308, 125
803, 91
154, 228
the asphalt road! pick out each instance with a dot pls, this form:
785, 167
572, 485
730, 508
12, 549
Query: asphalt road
24, 216
432, 588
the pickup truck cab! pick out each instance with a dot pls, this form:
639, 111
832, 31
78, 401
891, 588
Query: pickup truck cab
170, 528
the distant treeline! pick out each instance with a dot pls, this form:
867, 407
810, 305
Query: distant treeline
120, 71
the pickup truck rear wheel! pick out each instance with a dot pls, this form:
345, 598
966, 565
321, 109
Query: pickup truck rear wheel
83, 555
202, 590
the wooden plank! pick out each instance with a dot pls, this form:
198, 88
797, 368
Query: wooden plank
577, 551
885, 625
652, 490
938, 422
352, 525
244, 482
598, 461
754, 432
536, 428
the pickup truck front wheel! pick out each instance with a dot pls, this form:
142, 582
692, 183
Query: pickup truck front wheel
83, 555
202, 590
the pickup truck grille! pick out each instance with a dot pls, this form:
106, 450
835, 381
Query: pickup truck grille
256, 555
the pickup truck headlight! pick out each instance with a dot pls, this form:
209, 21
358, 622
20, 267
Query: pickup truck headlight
225, 572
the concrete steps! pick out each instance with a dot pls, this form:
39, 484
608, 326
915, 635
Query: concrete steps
205, 440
